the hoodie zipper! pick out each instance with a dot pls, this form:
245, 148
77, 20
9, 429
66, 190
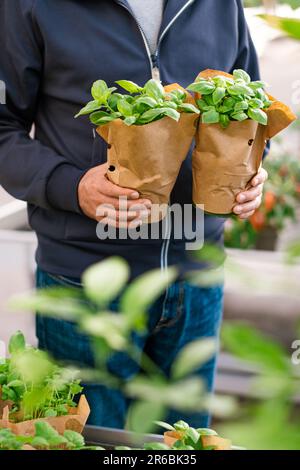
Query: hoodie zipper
154, 69
155, 74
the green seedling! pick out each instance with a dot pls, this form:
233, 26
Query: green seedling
225, 99
140, 106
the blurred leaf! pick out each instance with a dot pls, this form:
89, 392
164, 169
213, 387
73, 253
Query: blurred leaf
142, 293
186, 395
142, 416
193, 356
290, 26
156, 446
211, 254
16, 342
221, 406
32, 365
109, 326
104, 281
206, 277
248, 344
164, 425
293, 253
56, 302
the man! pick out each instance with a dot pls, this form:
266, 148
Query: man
52, 50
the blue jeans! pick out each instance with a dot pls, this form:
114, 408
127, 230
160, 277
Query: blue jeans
184, 313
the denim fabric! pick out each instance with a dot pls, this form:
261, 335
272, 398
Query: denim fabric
184, 313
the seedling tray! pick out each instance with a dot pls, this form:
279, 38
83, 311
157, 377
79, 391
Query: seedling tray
110, 438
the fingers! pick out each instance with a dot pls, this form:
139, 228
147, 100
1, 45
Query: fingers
248, 207
121, 204
260, 178
114, 191
251, 194
246, 215
108, 211
121, 224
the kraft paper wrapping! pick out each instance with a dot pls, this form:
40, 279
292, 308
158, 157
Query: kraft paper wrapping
74, 421
226, 160
148, 158
170, 437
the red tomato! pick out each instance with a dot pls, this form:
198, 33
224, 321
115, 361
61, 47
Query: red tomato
269, 201
258, 220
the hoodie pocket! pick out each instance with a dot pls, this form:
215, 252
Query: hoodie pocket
99, 150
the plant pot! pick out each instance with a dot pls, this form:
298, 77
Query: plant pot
170, 437
75, 420
267, 239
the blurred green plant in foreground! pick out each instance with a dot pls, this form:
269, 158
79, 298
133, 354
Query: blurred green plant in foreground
112, 332
270, 423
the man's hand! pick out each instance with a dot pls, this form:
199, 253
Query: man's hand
99, 200
250, 200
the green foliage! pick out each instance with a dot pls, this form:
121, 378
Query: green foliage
45, 438
110, 332
141, 106
188, 438
224, 99
290, 26
269, 423
104, 281
34, 384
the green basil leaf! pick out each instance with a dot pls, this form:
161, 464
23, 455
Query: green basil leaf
222, 82
258, 115
224, 120
218, 95
202, 105
188, 108
256, 103
241, 116
239, 89
171, 104
258, 84
261, 94
154, 89
210, 117
125, 108
241, 106
227, 105
89, 108
178, 95
203, 87
113, 101
129, 86
103, 118
242, 75
147, 100
130, 120
99, 89
171, 113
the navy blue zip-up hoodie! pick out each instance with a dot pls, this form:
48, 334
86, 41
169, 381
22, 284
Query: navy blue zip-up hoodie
51, 52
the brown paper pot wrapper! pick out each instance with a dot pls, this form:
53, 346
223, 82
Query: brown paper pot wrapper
74, 421
148, 158
170, 437
225, 160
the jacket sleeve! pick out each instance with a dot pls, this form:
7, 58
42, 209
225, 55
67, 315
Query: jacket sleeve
29, 170
247, 57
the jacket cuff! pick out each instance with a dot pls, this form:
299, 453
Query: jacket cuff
62, 188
